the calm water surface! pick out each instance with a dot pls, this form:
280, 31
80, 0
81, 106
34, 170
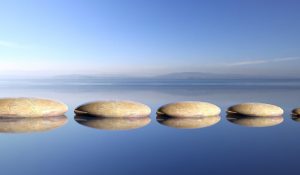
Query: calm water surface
224, 148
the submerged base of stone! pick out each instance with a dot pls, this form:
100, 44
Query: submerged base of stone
112, 123
25, 124
188, 122
254, 121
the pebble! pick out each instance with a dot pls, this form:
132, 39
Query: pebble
31, 107
189, 109
114, 109
256, 109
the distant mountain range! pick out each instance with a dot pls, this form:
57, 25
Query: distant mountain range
178, 76
171, 76
198, 75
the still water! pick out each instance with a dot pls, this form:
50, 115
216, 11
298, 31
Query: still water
223, 148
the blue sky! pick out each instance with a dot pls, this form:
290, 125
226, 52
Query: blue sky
140, 37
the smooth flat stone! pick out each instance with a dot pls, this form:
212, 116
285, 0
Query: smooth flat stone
31, 107
37, 124
111, 123
253, 121
189, 109
256, 109
188, 122
296, 111
114, 109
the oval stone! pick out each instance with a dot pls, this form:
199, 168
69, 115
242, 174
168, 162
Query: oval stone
114, 109
256, 109
31, 107
296, 111
189, 109
253, 121
188, 122
112, 123
37, 124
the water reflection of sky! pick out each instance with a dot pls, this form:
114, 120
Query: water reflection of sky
223, 148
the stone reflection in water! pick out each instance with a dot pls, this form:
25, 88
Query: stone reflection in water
296, 118
27, 125
253, 121
188, 122
110, 123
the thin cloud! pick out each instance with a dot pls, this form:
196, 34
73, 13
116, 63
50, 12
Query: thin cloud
286, 59
244, 63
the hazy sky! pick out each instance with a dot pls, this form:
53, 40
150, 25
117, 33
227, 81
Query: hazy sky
149, 36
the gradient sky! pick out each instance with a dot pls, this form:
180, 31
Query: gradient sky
150, 37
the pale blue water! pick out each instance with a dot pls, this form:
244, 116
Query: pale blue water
224, 148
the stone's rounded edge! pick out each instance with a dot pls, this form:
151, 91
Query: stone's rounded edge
114, 109
79, 112
28, 125
296, 114
31, 107
230, 110
254, 121
112, 123
189, 109
256, 109
296, 111
63, 108
188, 122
